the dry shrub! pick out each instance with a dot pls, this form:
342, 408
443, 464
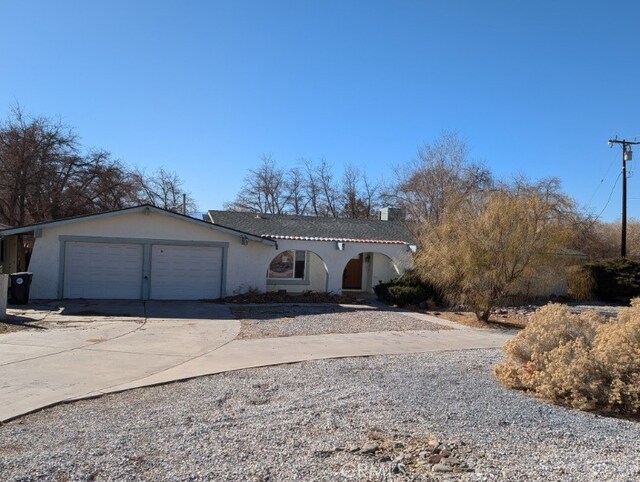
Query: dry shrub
618, 346
581, 283
578, 360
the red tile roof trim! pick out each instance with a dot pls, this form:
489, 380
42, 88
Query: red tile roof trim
342, 240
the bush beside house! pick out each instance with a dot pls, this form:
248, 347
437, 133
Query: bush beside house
615, 280
407, 289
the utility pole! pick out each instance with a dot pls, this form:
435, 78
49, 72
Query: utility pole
626, 156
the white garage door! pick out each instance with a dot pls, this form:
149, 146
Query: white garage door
103, 271
185, 272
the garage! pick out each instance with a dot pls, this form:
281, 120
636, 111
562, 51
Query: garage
103, 270
138, 253
186, 272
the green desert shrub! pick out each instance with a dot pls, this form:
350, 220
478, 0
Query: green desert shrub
578, 360
408, 295
605, 280
407, 289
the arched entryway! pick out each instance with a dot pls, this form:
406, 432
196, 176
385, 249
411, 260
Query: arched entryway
366, 270
297, 271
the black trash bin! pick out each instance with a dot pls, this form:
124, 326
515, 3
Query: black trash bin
19, 284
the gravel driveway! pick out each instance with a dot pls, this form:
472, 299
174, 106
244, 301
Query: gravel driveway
295, 320
282, 423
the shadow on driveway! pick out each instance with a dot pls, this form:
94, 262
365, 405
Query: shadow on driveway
199, 310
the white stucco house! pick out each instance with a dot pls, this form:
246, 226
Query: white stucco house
148, 253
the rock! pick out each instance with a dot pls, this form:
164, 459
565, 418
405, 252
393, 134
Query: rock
398, 445
445, 452
352, 448
369, 448
453, 461
508, 473
423, 455
433, 443
385, 458
434, 458
399, 468
441, 468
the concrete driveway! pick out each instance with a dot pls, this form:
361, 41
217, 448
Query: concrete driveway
84, 349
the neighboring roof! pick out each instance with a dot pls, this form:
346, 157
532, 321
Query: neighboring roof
313, 228
144, 207
572, 253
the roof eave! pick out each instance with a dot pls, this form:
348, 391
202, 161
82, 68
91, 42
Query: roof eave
148, 208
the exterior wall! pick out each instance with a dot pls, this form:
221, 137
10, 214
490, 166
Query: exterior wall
382, 270
317, 274
315, 277
242, 271
336, 260
550, 280
10, 255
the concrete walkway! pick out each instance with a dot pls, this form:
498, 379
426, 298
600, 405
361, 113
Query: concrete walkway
92, 349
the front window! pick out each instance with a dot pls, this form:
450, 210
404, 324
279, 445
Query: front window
288, 265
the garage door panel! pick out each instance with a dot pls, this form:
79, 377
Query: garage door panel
186, 272
103, 270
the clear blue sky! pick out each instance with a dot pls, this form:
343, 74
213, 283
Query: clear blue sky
206, 87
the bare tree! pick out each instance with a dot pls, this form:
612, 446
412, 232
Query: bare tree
312, 188
298, 202
441, 170
264, 190
46, 176
328, 189
106, 184
164, 189
371, 192
36, 155
359, 195
352, 205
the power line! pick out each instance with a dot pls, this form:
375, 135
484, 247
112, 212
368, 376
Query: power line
610, 194
601, 181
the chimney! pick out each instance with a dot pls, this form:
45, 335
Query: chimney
391, 214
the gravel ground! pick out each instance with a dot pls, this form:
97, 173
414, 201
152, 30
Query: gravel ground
282, 423
10, 327
293, 320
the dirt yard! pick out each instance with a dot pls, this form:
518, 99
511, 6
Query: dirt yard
515, 316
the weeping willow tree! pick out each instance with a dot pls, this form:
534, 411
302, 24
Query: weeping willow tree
488, 242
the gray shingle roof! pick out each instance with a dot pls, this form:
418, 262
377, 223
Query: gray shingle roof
312, 228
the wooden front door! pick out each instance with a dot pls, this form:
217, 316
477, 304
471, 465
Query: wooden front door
352, 276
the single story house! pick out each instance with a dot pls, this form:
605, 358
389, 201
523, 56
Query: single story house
145, 252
